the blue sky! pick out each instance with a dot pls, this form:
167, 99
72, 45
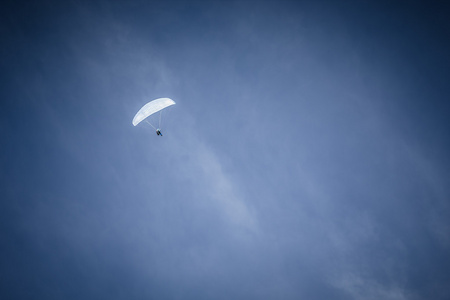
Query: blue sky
307, 155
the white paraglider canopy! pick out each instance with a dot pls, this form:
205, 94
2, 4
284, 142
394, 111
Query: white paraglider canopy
151, 108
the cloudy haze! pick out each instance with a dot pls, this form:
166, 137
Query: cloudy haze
306, 157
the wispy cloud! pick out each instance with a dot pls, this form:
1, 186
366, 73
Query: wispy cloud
205, 170
366, 289
222, 189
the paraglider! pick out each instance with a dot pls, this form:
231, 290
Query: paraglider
149, 109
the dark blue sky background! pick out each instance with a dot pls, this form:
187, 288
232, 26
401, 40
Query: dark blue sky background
306, 158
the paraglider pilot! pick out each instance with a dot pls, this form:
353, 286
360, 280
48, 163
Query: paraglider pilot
158, 132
